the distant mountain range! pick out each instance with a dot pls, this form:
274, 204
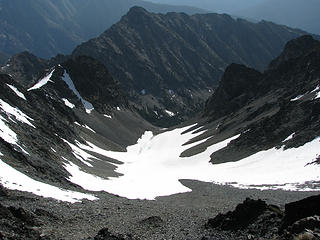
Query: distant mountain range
168, 64
219, 6
294, 13
49, 27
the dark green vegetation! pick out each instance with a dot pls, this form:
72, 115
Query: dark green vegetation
49, 27
172, 61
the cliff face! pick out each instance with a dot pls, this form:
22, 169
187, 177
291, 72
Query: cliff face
171, 62
267, 108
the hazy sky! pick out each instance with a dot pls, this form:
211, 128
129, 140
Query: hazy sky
228, 6
303, 14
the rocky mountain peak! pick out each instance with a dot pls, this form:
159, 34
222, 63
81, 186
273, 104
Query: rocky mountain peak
136, 10
137, 16
24, 66
295, 48
238, 85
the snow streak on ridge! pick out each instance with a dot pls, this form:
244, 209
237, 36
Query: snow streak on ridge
43, 81
87, 105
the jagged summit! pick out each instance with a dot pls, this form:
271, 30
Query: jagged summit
295, 48
25, 66
137, 10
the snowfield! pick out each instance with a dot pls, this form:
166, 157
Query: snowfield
42, 82
15, 180
153, 167
17, 113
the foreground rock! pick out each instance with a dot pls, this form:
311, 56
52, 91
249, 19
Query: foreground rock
255, 219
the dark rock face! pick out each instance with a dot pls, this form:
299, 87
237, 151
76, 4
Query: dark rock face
94, 82
251, 219
238, 86
295, 49
295, 211
25, 67
265, 106
241, 217
172, 61
254, 219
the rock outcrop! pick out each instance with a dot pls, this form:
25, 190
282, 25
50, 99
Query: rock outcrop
254, 219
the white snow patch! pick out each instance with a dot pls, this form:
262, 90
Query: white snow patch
17, 92
83, 179
289, 137
87, 105
11, 111
5, 66
153, 167
90, 129
83, 156
171, 114
43, 81
68, 103
15, 180
24, 151
107, 116
296, 98
274, 168
118, 108
316, 89
78, 124
6, 133
85, 126
317, 96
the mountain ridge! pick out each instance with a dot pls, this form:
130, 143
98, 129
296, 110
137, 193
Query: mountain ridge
172, 61
48, 27
284, 101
